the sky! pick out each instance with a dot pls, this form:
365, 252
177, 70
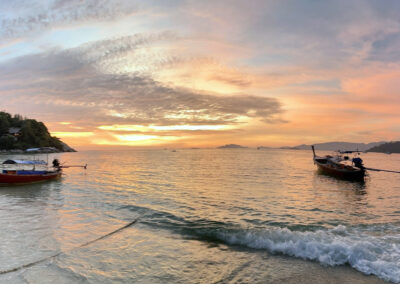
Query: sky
203, 73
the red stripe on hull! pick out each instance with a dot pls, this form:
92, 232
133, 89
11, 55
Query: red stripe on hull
6, 179
356, 175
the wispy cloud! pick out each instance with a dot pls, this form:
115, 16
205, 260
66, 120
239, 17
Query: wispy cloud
205, 63
34, 17
79, 82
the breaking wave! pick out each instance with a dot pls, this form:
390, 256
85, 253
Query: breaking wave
370, 249
378, 255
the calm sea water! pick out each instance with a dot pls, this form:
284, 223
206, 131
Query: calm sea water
203, 216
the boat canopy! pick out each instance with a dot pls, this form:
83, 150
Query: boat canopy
25, 162
32, 149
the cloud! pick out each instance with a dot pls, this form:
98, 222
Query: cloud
219, 63
318, 34
25, 18
77, 82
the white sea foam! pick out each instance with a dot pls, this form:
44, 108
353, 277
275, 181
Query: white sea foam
378, 255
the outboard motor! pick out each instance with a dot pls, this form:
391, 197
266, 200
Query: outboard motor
56, 163
358, 162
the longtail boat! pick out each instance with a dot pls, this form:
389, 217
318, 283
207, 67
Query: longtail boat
335, 166
28, 171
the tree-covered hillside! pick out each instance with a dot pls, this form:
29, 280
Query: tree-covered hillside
21, 133
391, 147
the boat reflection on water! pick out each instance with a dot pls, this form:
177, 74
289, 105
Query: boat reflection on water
358, 186
32, 190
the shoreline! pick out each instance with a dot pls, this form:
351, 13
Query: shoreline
22, 152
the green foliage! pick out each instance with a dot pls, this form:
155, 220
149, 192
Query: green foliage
7, 142
17, 120
32, 133
4, 122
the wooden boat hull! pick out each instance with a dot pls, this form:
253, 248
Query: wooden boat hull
10, 179
354, 174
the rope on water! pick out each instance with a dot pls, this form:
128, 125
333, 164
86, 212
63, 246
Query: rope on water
380, 170
109, 234
59, 253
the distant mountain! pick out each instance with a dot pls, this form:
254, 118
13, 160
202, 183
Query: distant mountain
390, 147
288, 147
229, 146
334, 146
263, 147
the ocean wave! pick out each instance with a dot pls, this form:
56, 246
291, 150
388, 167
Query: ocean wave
370, 249
378, 255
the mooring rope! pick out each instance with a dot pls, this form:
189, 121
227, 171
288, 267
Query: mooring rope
109, 234
379, 170
61, 252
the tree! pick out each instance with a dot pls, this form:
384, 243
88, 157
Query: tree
7, 142
17, 120
33, 133
4, 122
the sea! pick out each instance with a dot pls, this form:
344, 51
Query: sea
202, 216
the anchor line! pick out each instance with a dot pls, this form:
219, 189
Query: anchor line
61, 252
380, 170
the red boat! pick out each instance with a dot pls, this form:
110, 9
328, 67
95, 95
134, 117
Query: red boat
16, 172
14, 178
333, 166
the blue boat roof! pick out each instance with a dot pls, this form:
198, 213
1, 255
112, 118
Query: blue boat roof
32, 149
25, 162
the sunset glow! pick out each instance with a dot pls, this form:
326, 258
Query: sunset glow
71, 134
204, 73
161, 128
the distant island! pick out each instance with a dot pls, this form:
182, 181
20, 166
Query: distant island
230, 146
335, 146
18, 134
263, 147
390, 147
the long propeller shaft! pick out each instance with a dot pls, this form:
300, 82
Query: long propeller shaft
380, 170
74, 166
